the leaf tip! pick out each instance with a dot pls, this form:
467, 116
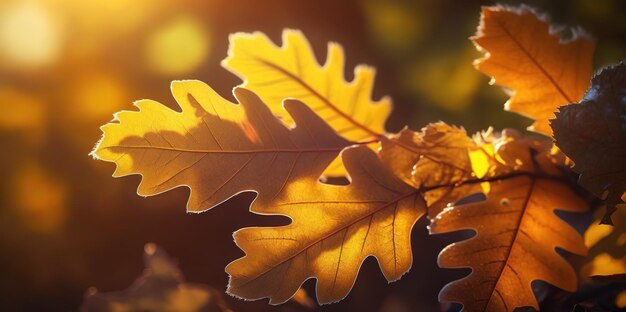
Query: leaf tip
94, 151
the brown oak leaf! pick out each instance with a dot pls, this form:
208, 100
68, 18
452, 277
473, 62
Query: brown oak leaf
523, 52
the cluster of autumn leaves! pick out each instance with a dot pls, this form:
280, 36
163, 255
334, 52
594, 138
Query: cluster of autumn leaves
298, 121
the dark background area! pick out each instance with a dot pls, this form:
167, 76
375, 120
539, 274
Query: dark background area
66, 225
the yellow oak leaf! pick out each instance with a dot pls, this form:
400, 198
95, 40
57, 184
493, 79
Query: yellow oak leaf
215, 147
292, 71
523, 53
333, 230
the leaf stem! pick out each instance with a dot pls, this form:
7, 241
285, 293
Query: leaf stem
531, 175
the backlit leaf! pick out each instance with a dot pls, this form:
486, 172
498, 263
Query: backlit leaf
510, 249
333, 230
524, 53
438, 155
214, 147
292, 71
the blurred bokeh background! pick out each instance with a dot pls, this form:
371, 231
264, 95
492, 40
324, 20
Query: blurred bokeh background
67, 65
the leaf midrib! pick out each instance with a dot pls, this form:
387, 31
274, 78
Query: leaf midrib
248, 151
319, 96
339, 229
532, 59
518, 227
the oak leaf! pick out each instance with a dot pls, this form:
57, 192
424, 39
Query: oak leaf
292, 71
509, 250
524, 53
436, 156
447, 165
333, 230
593, 134
215, 147
519, 178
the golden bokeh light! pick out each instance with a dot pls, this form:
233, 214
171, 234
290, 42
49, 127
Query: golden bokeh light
596, 232
97, 95
480, 163
178, 47
94, 17
604, 264
21, 110
397, 25
620, 302
39, 199
29, 34
447, 80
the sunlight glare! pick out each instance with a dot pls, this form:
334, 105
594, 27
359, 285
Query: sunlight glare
178, 47
29, 34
